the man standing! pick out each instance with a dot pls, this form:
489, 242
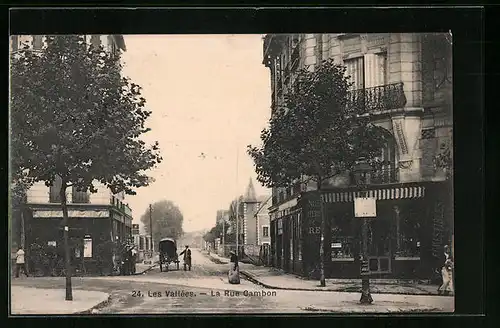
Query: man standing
187, 258
20, 262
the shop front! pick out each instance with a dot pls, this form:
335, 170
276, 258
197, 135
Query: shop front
413, 223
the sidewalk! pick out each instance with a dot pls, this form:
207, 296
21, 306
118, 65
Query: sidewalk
276, 279
29, 300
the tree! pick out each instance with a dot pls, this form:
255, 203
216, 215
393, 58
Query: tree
316, 134
167, 220
74, 116
235, 207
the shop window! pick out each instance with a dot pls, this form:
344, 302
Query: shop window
342, 241
407, 232
379, 237
342, 248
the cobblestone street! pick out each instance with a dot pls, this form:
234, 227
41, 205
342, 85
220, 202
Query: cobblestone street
205, 289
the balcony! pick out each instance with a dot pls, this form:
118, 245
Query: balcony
384, 175
376, 99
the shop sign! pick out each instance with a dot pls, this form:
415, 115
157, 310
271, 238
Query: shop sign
336, 245
365, 207
314, 230
87, 246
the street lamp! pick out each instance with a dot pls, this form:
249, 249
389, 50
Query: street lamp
362, 176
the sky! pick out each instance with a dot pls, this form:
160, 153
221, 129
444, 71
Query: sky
210, 97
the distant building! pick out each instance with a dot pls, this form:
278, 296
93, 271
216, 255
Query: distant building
263, 223
251, 226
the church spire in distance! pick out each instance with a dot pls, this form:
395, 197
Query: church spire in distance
250, 196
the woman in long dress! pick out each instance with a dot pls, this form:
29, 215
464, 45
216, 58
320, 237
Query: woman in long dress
234, 269
447, 273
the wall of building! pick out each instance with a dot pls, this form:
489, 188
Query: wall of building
263, 221
422, 63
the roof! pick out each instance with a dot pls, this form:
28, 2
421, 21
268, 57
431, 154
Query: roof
250, 196
167, 239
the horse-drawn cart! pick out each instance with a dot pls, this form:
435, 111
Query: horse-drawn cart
168, 253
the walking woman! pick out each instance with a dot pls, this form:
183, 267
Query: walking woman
234, 269
446, 287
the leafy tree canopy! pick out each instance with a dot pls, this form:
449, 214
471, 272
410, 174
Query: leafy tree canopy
167, 220
75, 116
316, 133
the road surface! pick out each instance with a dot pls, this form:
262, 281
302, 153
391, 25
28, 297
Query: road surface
205, 289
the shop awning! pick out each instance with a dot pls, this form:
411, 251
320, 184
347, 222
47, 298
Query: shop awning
71, 213
379, 194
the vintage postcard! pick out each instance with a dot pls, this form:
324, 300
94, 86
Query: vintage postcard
237, 173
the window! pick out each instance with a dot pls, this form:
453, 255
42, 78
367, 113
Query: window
342, 246
80, 197
367, 71
55, 189
37, 42
15, 43
265, 231
407, 231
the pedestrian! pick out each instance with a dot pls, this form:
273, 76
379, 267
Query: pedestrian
20, 262
187, 257
234, 269
447, 273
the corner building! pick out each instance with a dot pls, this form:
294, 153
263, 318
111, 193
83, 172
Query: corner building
404, 81
94, 219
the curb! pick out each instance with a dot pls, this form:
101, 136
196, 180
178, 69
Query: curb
399, 310
252, 278
96, 307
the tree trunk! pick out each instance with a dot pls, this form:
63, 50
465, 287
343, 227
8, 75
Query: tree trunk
322, 280
62, 193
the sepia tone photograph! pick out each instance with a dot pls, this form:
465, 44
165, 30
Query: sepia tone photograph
231, 174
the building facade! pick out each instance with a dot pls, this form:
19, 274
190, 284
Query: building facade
254, 224
95, 219
112, 43
404, 83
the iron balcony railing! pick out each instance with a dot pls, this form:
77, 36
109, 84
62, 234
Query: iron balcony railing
384, 175
381, 98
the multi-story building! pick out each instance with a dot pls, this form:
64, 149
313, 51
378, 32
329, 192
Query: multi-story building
254, 224
112, 43
94, 218
403, 81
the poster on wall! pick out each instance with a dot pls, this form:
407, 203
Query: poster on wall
87, 247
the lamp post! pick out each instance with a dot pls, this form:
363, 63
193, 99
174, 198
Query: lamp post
361, 170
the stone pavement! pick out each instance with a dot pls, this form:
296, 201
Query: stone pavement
28, 300
276, 279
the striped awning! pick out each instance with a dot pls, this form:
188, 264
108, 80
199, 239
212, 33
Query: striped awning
379, 194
